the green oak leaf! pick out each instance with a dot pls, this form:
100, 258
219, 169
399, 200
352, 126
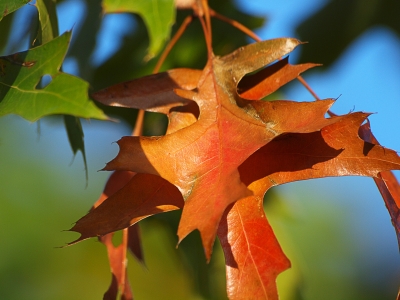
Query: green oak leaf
21, 73
158, 15
8, 6
48, 30
75, 136
5, 32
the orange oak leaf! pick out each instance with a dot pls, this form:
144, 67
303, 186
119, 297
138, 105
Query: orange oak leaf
151, 93
134, 198
252, 253
336, 150
117, 195
224, 149
253, 256
201, 159
270, 79
134, 242
144, 195
387, 183
389, 187
116, 182
117, 254
118, 264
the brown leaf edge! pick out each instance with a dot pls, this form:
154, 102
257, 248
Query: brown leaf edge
387, 184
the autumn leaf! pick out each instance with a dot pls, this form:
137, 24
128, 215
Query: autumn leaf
389, 188
21, 73
222, 152
336, 150
387, 184
270, 79
118, 263
143, 195
204, 156
117, 181
125, 191
152, 93
253, 256
117, 253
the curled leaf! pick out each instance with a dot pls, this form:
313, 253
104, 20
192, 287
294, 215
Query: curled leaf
152, 93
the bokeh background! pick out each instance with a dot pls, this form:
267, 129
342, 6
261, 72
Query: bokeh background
336, 231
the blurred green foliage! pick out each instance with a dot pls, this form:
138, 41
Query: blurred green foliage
158, 16
333, 28
8, 6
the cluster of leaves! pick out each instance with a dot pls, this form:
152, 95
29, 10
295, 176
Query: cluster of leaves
22, 76
224, 147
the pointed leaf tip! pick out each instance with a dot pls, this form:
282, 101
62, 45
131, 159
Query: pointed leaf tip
271, 78
151, 93
257, 55
142, 196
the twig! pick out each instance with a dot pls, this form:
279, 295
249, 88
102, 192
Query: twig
303, 82
172, 43
235, 24
138, 129
125, 248
206, 25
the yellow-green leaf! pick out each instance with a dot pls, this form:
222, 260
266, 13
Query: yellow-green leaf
20, 77
158, 15
48, 21
8, 6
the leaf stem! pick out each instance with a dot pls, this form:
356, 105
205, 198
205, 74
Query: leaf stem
125, 250
172, 43
206, 25
138, 129
235, 24
206, 11
306, 85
